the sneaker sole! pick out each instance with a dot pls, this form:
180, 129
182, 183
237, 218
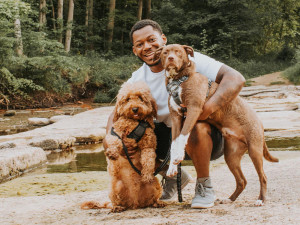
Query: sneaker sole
202, 206
175, 195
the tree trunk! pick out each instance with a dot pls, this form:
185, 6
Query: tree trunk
60, 23
19, 44
111, 22
53, 15
42, 16
89, 24
140, 9
148, 12
69, 26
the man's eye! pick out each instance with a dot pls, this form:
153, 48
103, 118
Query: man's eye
138, 45
152, 40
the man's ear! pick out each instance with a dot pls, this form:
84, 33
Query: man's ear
189, 50
157, 54
133, 50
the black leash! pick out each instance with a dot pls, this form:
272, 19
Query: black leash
179, 182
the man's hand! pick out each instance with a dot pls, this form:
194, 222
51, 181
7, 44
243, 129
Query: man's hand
207, 111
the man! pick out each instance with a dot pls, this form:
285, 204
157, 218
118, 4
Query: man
147, 36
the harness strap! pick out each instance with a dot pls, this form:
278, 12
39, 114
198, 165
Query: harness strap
126, 151
139, 131
137, 134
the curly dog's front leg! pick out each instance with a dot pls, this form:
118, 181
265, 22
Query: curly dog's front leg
114, 147
148, 164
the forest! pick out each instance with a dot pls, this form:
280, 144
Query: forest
57, 51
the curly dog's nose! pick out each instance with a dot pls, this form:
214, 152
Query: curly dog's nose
135, 109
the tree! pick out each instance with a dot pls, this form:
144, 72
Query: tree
60, 23
148, 11
140, 9
69, 26
42, 17
89, 23
111, 23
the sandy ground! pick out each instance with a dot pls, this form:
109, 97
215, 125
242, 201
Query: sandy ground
56, 198
282, 207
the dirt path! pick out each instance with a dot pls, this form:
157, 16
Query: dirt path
283, 206
270, 79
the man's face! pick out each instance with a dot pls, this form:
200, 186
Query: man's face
145, 43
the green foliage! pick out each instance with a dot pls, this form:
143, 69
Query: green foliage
293, 72
16, 87
254, 68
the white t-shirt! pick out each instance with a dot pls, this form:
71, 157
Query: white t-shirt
156, 82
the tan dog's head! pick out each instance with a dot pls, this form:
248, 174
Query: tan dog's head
135, 101
174, 58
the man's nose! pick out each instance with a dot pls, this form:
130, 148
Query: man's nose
147, 45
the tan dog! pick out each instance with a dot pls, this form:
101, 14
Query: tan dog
129, 190
240, 126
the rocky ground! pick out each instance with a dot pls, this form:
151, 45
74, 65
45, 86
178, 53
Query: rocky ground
55, 198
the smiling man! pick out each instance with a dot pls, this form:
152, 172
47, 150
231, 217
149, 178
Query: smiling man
205, 141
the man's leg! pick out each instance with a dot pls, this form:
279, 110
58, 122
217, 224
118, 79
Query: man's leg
199, 148
163, 135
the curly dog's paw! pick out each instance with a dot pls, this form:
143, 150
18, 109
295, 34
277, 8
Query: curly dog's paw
147, 178
159, 204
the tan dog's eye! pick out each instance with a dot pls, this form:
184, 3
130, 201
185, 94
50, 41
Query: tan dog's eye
141, 98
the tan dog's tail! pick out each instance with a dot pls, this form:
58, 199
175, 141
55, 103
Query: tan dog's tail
267, 154
96, 205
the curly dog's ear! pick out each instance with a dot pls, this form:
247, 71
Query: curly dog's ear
157, 54
189, 50
116, 114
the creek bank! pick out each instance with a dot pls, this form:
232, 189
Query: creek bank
277, 106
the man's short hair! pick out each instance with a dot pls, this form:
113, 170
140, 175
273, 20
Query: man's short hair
143, 23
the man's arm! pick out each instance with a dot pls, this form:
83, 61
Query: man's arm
230, 83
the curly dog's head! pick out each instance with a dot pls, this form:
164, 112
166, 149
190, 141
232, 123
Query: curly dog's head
135, 101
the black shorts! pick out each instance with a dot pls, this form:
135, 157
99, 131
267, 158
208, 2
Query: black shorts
164, 140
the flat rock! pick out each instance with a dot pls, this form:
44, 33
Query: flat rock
55, 119
10, 113
15, 161
36, 121
5, 145
51, 142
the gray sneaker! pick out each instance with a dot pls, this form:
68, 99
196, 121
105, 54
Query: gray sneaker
204, 194
169, 185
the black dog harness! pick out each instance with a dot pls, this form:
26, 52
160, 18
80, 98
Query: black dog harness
137, 135
173, 89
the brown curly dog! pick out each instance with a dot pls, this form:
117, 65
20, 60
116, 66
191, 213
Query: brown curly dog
130, 190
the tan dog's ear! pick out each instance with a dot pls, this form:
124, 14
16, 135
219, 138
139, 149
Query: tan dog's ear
157, 54
189, 50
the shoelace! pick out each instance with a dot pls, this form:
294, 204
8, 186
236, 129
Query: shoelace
200, 189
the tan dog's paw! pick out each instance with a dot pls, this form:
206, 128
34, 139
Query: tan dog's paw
111, 154
225, 201
259, 203
172, 171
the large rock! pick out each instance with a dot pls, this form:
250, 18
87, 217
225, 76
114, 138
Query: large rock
15, 161
55, 119
53, 142
35, 121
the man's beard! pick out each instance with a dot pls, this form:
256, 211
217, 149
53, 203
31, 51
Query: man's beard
154, 64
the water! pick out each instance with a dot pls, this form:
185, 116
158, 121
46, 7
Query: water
92, 158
